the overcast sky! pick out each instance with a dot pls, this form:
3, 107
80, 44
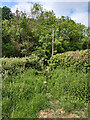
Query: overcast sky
76, 9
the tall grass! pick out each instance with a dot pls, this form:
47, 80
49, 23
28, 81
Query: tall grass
70, 88
25, 95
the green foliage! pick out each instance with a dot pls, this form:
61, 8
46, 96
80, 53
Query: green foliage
66, 82
15, 65
76, 61
8, 49
6, 13
70, 88
24, 89
33, 34
23, 96
28, 92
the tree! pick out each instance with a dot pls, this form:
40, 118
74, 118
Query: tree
69, 35
7, 46
26, 35
21, 34
6, 13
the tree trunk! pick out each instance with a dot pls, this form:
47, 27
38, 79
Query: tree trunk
52, 42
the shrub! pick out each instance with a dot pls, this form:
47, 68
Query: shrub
74, 60
15, 65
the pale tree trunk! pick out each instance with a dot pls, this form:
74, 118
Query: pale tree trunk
52, 42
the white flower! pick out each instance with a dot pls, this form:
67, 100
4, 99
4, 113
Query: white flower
45, 81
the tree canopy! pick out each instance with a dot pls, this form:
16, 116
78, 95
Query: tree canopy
23, 35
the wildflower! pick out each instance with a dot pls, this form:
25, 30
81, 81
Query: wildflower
45, 81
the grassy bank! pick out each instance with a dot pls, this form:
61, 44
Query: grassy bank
28, 89
25, 95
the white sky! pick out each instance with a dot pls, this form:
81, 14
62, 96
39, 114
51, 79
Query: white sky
76, 9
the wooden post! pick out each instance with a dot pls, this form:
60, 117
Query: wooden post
52, 42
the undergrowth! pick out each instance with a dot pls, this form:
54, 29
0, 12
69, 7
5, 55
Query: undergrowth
25, 95
27, 88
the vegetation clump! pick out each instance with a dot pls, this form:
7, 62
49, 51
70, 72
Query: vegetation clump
33, 90
74, 60
32, 79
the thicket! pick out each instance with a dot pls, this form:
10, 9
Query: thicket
14, 66
74, 60
23, 35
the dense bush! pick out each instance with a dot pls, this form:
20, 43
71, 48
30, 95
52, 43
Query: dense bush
17, 65
75, 60
22, 35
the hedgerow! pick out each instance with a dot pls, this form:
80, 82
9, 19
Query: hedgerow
25, 94
74, 60
15, 65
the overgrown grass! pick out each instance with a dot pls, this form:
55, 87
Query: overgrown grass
25, 95
70, 88
66, 82
26, 91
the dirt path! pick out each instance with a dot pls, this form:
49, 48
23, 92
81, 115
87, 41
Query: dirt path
57, 112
